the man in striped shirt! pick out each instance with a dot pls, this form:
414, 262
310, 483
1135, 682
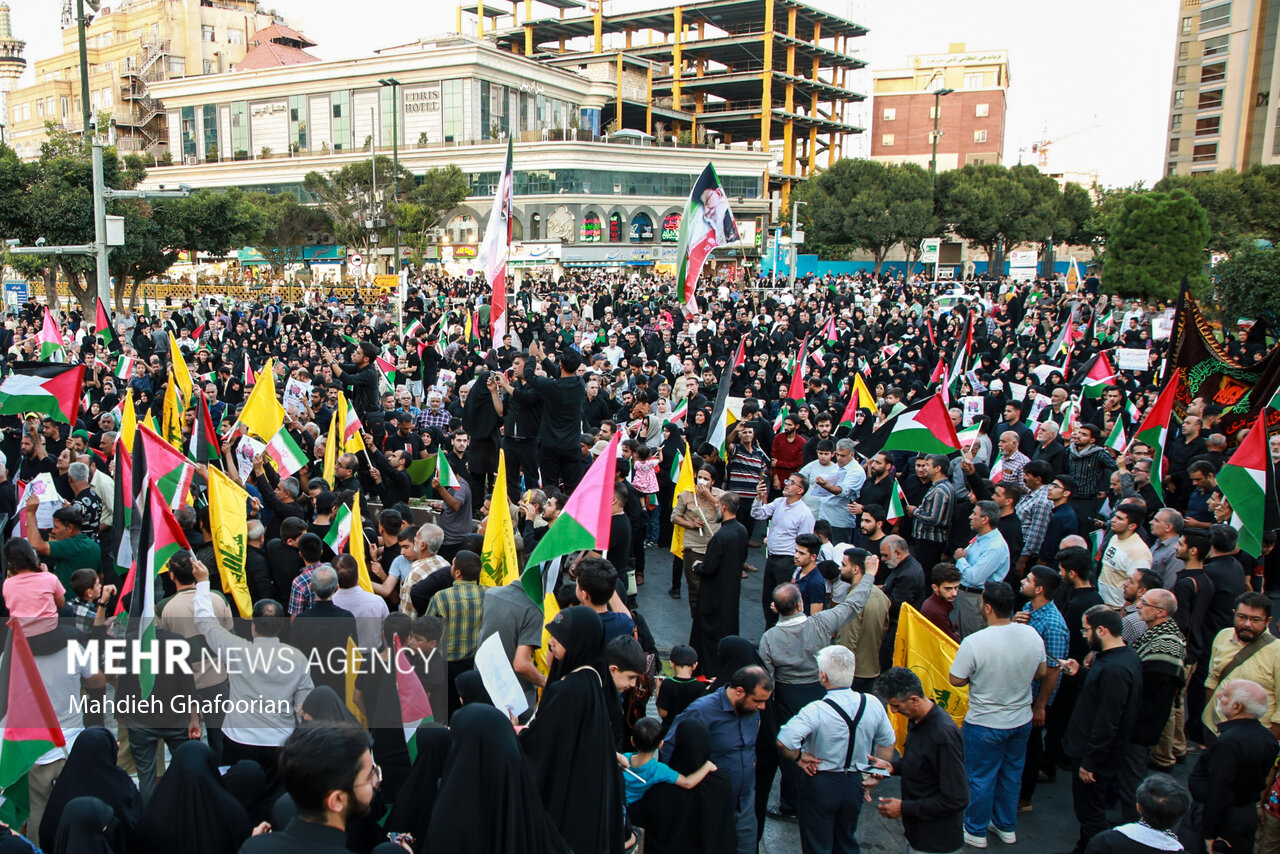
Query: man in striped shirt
746, 467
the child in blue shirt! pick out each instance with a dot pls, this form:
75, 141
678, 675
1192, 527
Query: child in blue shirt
641, 770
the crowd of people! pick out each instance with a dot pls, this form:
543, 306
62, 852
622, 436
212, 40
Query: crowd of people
1108, 627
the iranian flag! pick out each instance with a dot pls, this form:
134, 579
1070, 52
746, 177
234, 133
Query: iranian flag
1117, 440
351, 426
968, 436
102, 324
923, 427
412, 330
897, 504
285, 453
1243, 481
124, 367
783, 412
161, 538
496, 247
679, 413
584, 522
1096, 376
52, 347
340, 530
706, 224
1154, 431
164, 465
448, 478
204, 435
28, 723
52, 390
888, 351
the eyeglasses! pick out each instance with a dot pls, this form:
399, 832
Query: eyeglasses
1249, 618
375, 777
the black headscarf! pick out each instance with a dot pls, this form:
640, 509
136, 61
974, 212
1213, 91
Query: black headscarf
697, 819
91, 771
581, 633
411, 812
324, 704
486, 767
470, 686
247, 783
86, 826
191, 811
479, 418
735, 652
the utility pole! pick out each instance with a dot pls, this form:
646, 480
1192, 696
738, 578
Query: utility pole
395, 166
796, 239
933, 159
86, 111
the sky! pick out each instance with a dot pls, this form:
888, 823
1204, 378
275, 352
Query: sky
1094, 74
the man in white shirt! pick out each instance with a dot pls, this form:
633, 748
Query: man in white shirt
1125, 552
998, 664
369, 609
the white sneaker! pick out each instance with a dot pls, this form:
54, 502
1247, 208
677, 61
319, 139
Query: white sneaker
974, 841
1008, 837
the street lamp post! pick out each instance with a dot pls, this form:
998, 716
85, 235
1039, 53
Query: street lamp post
933, 160
86, 109
795, 253
395, 164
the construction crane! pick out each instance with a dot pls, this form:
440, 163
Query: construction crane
1040, 148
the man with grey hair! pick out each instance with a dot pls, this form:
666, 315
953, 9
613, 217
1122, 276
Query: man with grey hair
1167, 527
1233, 769
986, 558
88, 502
1008, 465
840, 490
827, 739
256, 569
428, 575
279, 495
321, 632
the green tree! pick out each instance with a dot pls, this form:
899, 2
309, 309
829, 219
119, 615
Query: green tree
867, 205
984, 205
1155, 239
349, 197
150, 248
214, 222
1247, 284
287, 228
441, 190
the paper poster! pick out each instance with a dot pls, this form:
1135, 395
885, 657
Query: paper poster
1162, 327
1017, 391
42, 487
972, 410
296, 393
1037, 406
499, 678
445, 378
1132, 359
245, 453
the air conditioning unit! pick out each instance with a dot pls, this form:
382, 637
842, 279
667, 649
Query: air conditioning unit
617, 188
191, 160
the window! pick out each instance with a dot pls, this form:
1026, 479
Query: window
890, 114
1180, 76
240, 129
1186, 26
1205, 153
886, 139
208, 66
1215, 16
107, 99
1215, 46
1211, 100
1211, 126
1178, 97
1184, 51
982, 110
975, 80
1215, 73
207, 33
979, 136
451, 107
39, 109
65, 106
978, 161
1171, 169
235, 36
1175, 123
933, 112
1173, 145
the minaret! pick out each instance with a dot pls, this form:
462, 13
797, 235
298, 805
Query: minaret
11, 66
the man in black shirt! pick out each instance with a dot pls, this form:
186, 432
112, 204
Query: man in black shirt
360, 376
560, 433
935, 789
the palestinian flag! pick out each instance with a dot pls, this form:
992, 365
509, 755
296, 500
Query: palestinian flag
923, 427
962, 358
204, 435
52, 346
102, 324
52, 390
1096, 376
584, 522
796, 390
198, 331
250, 377
1066, 339
285, 453
1274, 403
122, 492
161, 538
28, 723
340, 530
387, 371
720, 413
415, 707
1117, 440
124, 367
829, 329
444, 471
860, 397
706, 224
164, 465
1243, 481
1154, 431
897, 508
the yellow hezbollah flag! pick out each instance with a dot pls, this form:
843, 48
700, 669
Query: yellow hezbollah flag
180, 373
866, 400
541, 655
355, 545
230, 528
263, 415
928, 652
171, 414
128, 422
498, 554
331, 445
354, 659
684, 483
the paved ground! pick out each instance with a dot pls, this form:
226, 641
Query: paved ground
1051, 828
